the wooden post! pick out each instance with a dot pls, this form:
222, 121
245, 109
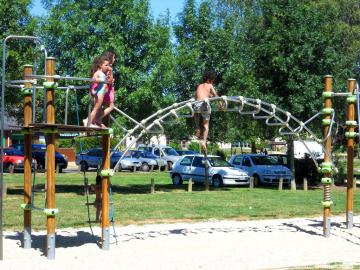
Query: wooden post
152, 187
50, 158
305, 183
207, 188
281, 181
28, 70
327, 168
251, 186
190, 184
105, 193
351, 123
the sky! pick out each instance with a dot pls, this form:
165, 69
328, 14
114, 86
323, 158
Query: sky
158, 7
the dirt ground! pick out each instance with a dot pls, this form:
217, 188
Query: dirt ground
265, 244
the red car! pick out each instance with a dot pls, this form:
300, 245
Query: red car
13, 160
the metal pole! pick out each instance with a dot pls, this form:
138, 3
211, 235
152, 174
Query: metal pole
28, 69
50, 157
66, 104
350, 123
326, 167
206, 171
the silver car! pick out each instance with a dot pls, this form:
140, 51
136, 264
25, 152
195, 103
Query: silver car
93, 159
220, 171
148, 160
165, 152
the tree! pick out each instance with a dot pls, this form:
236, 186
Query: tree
77, 31
16, 20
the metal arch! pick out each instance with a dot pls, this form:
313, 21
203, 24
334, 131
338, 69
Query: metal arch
258, 109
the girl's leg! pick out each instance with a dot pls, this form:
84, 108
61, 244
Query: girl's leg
97, 107
109, 109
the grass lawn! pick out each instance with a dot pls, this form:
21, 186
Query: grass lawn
133, 202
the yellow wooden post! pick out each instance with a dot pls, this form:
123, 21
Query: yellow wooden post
27, 92
326, 167
105, 193
50, 156
350, 135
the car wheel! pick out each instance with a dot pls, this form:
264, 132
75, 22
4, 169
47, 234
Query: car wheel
145, 167
257, 182
217, 181
169, 164
11, 168
176, 179
84, 166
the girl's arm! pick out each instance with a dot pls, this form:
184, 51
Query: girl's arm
97, 77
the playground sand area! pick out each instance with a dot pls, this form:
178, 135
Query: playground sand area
260, 244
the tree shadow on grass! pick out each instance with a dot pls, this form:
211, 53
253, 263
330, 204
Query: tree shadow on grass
62, 241
118, 189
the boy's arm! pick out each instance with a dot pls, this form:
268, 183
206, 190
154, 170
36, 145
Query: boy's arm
213, 92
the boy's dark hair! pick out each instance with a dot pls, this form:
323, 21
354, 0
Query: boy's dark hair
209, 76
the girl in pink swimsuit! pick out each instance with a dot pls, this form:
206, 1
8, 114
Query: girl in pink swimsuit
109, 97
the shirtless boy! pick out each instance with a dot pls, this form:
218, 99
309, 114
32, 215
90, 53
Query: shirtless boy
203, 91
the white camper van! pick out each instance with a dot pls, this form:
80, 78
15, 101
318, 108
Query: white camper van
302, 147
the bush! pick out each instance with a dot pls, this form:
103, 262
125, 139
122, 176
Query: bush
83, 144
221, 153
66, 143
194, 145
175, 144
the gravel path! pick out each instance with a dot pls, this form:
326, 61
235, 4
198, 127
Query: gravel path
265, 244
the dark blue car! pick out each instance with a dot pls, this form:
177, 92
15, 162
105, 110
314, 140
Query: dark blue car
39, 154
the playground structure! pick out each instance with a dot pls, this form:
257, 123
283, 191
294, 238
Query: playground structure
287, 125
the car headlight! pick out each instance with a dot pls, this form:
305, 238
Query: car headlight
19, 161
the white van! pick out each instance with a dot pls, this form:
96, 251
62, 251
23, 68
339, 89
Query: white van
302, 147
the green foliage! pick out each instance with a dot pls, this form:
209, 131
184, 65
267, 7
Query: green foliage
15, 19
66, 143
85, 143
175, 145
277, 51
194, 145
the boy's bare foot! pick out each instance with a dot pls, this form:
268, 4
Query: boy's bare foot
103, 126
198, 133
94, 126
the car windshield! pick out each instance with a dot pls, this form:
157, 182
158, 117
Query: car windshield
218, 162
265, 160
170, 152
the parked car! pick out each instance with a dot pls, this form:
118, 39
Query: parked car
304, 167
93, 159
186, 152
265, 169
166, 152
39, 154
13, 160
147, 159
220, 171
